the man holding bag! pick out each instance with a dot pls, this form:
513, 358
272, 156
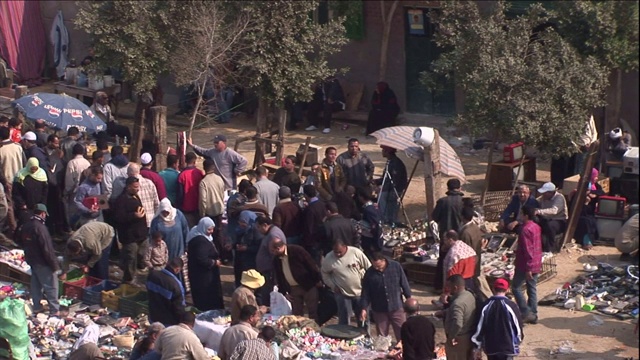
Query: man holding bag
297, 277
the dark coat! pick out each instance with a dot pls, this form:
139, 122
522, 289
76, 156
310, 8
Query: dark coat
30, 193
448, 212
130, 228
165, 298
40, 154
500, 327
204, 274
303, 268
418, 338
36, 241
337, 227
313, 215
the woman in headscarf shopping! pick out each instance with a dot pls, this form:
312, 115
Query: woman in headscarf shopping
204, 267
172, 224
86, 348
30, 187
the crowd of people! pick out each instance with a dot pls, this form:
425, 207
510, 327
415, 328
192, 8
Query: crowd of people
304, 236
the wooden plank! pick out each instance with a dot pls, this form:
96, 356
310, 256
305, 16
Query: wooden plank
576, 206
304, 155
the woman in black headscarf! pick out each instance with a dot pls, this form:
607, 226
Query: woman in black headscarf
384, 108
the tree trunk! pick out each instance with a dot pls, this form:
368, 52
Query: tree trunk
488, 173
159, 116
386, 30
138, 129
617, 109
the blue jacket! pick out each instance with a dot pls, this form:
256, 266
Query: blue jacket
514, 206
499, 330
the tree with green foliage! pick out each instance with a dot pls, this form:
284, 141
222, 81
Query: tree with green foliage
609, 31
287, 51
521, 80
136, 37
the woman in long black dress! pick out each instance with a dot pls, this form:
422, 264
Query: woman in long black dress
204, 267
384, 108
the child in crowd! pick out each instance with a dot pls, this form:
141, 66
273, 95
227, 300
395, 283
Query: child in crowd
157, 255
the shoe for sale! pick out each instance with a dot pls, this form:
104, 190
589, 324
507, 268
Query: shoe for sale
311, 128
326, 130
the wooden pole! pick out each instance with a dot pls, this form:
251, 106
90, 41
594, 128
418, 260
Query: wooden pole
515, 182
431, 169
413, 171
487, 175
19, 92
138, 129
304, 155
282, 120
159, 116
576, 206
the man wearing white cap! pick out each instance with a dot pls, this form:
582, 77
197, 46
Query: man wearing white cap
552, 215
31, 149
618, 143
244, 295
147, 172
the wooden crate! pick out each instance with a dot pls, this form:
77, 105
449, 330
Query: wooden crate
10, 274
420, 273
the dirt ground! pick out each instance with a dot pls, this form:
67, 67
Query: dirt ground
614, 339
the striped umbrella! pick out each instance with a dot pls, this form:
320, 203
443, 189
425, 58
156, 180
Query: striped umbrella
401, 138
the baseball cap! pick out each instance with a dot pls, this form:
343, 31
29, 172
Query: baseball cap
30, 135
146, 159
42, 208
501, 284
219, 138
615, 133
547, 187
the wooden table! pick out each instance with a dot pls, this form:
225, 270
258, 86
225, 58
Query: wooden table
77, 91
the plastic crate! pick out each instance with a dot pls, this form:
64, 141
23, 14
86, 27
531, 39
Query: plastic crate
93, 295
420, 273
131, 305
72, 275
111, 298
75, 289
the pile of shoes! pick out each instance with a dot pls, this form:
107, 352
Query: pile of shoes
610, 290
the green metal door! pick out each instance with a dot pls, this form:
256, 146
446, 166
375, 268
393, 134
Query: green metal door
420, 51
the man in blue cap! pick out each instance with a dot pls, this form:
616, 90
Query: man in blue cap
36, 241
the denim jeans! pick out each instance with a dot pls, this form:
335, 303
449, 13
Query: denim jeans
530, 305
101, 269
44, 281
346, 305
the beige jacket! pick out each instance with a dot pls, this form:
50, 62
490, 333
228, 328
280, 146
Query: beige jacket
12, 159
94, 236
211, 201
233, 336
72, 175
179, 342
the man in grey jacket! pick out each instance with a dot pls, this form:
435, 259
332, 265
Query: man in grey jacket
228, 163
459, 321
552, 215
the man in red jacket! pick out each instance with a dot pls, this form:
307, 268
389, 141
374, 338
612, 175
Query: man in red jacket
188, 192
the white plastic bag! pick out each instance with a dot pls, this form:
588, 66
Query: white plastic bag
280, 306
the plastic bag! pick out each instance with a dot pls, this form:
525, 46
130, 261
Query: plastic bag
14, 328
280, 306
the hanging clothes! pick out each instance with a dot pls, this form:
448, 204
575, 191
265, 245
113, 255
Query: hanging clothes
59, 37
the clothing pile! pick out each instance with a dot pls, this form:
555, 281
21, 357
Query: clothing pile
15, 259
610, 290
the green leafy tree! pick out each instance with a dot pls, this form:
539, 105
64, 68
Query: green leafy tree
521, 80
287, 51
606, 30
136, 37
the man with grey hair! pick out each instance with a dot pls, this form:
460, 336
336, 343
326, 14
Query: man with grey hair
102, 109
511, 219
148, 193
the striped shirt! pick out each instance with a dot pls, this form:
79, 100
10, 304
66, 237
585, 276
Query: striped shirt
254, 349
